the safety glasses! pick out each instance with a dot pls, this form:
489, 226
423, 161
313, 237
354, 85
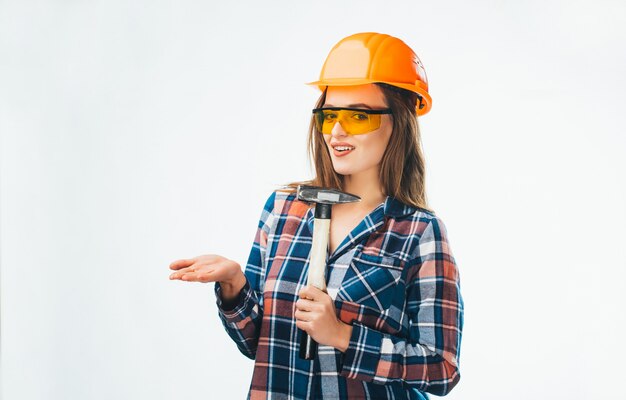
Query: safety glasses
354, 121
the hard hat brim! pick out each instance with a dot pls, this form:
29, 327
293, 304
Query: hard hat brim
417, 88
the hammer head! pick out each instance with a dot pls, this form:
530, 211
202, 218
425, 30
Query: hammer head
316, 194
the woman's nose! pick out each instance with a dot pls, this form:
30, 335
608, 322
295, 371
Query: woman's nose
338, 130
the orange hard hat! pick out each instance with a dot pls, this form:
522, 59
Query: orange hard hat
371, 57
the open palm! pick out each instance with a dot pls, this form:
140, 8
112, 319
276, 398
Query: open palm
205, 268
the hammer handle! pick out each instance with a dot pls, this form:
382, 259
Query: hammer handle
317, 271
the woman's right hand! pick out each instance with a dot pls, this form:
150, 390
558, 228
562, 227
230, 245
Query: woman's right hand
207, 268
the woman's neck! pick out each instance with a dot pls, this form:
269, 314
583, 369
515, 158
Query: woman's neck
366, 185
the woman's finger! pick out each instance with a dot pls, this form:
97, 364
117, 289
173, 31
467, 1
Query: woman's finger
199, 276
186, 262
302, 315
189, 276
184, 270
311, 292
304, 304
304, 325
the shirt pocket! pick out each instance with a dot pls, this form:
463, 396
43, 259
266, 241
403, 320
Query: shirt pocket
371, 281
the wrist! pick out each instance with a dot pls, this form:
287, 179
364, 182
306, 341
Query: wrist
345, 332
232, 287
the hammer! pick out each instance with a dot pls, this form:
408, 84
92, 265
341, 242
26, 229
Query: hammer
323, 198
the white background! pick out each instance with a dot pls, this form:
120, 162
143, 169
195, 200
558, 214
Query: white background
136, 133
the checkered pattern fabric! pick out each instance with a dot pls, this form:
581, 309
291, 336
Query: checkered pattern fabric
393, 278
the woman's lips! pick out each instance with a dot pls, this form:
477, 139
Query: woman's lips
342, 153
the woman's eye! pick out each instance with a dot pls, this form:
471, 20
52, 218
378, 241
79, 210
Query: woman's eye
329, 116
360, 116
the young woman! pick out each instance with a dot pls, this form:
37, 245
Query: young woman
389, 324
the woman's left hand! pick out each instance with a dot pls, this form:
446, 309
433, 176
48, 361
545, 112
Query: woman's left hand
316, 315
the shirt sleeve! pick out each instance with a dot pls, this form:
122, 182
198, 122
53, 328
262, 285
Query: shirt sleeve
429, 359
241, 317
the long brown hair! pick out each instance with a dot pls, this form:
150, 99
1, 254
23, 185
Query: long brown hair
402, 168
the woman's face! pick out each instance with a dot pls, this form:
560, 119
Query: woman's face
368, 147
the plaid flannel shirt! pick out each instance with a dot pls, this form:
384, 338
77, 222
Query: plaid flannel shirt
393, 278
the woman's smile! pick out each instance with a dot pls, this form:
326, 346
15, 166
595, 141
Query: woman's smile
341, 153
341, 149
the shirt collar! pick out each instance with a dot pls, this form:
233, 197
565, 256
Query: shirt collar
395, 208
392, 207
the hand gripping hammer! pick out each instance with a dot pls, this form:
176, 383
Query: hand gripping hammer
323, 198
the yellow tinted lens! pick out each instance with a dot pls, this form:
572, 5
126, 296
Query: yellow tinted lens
352, 122
325, 120
329, 118
357, 122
